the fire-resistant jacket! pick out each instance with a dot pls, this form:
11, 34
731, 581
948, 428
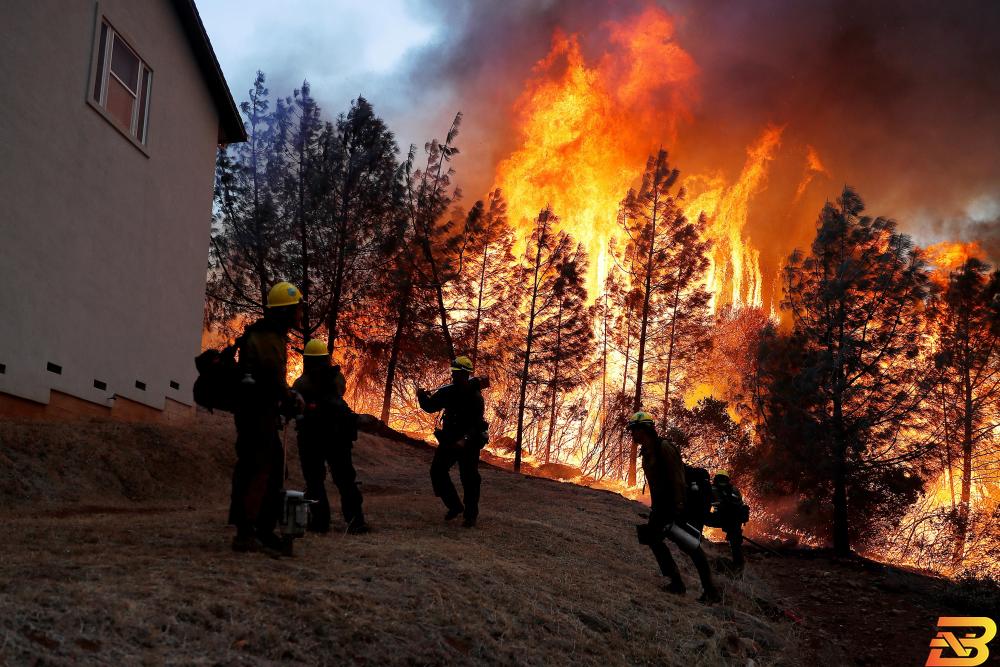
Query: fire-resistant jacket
463, 412
661, 462
327, 418
263, 354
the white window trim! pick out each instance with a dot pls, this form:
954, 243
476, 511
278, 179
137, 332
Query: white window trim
105, 72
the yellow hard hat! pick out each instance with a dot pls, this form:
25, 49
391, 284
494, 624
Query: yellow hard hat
315, 348
722, 473
462, 364
283, 294
639, 419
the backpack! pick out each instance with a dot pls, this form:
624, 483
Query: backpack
732, 506
698, 498
219, 378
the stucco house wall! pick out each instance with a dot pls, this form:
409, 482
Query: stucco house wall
104, 245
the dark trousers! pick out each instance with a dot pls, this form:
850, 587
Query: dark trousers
734, 535
735, 538
255, 502
315, 457
668, 567
467, 458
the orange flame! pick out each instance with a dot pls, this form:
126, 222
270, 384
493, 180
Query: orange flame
734, 275
585, 129
948, 256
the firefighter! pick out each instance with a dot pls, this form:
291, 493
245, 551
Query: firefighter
264, 398
729, 513
461, 437
664, 470
327, 430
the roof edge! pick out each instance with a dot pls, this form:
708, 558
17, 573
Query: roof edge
231, 129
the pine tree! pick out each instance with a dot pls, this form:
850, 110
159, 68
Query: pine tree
544, 249
563, 330
663, 257
485, 287
842, 390
359, 175
243, 256
430, 200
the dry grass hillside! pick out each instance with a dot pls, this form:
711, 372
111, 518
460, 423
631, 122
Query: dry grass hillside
117, 552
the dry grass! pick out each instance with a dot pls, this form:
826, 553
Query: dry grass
552, 575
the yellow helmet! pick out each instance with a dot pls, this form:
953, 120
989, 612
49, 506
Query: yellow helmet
722, 473
639, 419
283, 294
315, 348
462, 364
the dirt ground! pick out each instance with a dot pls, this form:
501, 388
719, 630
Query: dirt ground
117, 552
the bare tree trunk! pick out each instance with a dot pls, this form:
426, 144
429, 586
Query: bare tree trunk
603, 442
670, 351
479, 300
967, 424
641, 358
428, 251
947, 447
555, 383
342, 225
397, 339
544, 220
841, 532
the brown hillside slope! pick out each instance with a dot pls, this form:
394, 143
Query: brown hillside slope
117, 552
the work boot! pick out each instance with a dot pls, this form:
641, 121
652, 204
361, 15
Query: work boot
453, 512
286, 546
710, 596
470, 522
272, 545
358, 527
676, 586
245, 544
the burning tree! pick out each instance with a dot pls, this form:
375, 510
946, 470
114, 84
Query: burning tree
664, 263
485, 289
966, 327
841, 395
559, 326
429, 202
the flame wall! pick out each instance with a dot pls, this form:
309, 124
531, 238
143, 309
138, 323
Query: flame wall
768, 108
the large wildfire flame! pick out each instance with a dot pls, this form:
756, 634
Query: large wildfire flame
734, 274
586, 129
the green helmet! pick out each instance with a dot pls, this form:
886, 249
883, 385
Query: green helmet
462, 364
638, 420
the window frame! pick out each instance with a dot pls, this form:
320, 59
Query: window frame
100, 75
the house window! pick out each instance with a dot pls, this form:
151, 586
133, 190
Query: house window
122, 83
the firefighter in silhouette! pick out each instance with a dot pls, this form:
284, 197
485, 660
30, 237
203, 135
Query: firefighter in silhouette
263, 399
729, 513
664, 470
327, 430
460, 439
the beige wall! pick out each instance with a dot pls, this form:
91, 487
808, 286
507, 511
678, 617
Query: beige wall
103, 249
